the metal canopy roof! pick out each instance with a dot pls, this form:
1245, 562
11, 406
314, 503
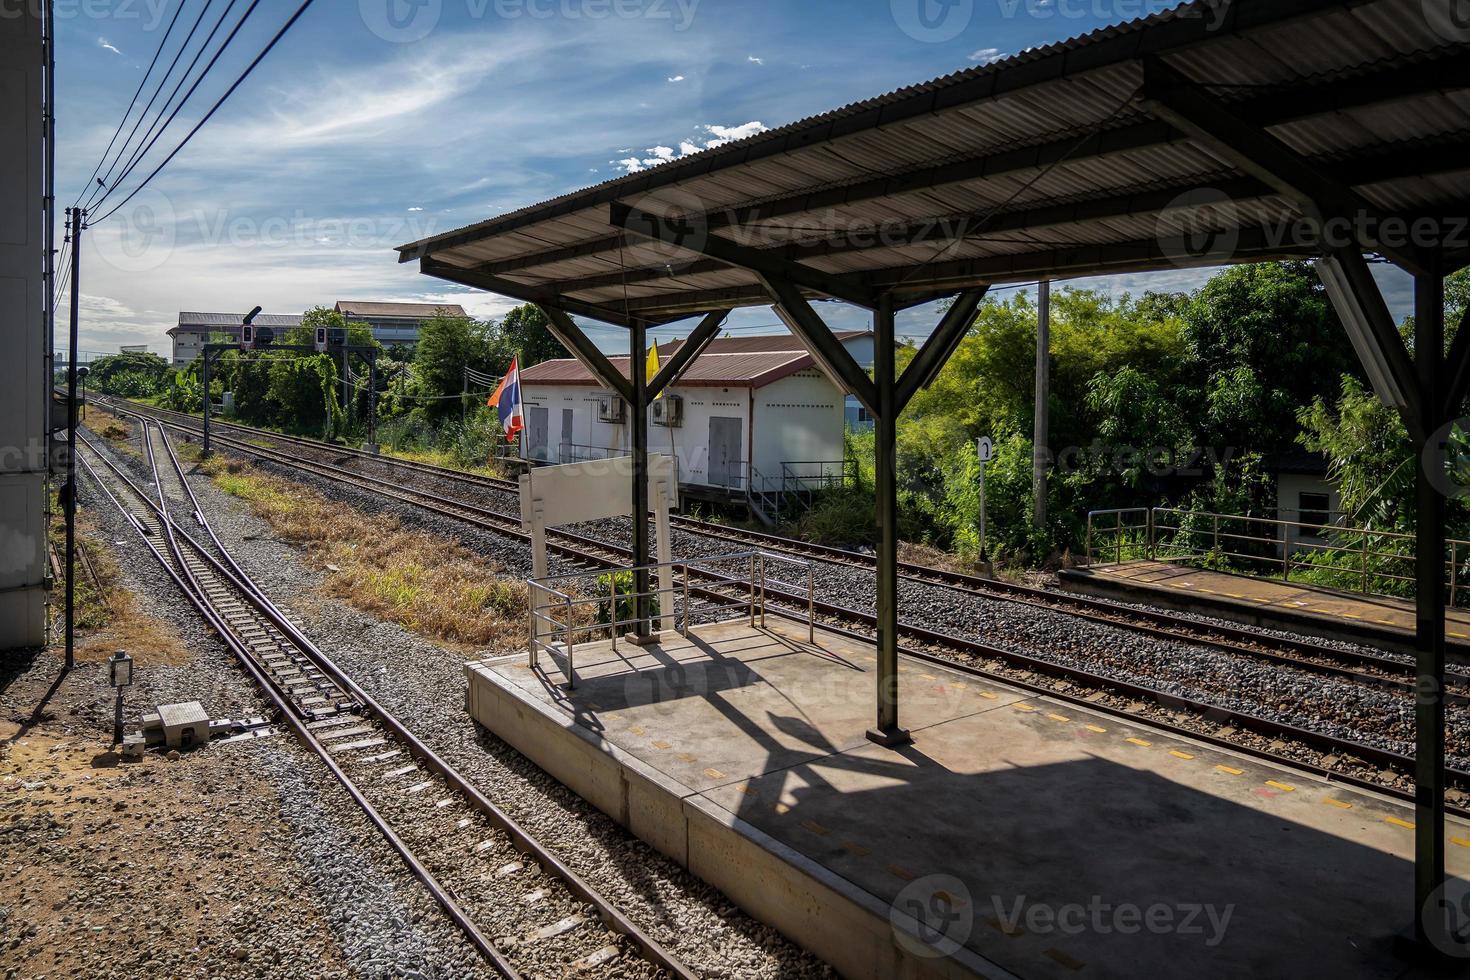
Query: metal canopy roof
1051, 162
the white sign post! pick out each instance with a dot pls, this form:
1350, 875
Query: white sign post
576, 492
984, 450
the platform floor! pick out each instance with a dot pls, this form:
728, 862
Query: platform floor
1326, 610
1046, 830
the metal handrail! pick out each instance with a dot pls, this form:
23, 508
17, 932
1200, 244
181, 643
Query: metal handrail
555, 601
1166, 532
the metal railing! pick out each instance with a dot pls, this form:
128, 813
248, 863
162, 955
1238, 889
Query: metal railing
1375, 560
565, 613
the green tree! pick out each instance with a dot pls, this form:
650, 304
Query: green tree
523, 332
1263, 340
132, 374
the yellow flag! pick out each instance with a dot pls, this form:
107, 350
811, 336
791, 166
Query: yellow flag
652, 368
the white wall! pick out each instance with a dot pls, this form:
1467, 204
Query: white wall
1289, 487
799, 418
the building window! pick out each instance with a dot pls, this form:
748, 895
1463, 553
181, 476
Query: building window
1314, 511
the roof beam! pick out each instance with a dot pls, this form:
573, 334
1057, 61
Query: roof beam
940, 346
825, 348
582, 348
517, 290
690, 235
695, 344
1457, 369
1369, 325
1173, 97
1432, 156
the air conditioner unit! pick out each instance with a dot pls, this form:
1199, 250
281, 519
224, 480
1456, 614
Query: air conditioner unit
668, 410
610, 408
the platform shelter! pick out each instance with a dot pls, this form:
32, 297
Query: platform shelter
1213, 133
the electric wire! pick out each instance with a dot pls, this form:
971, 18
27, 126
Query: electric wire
305, 5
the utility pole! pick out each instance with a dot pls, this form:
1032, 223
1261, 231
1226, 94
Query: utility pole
70, 504
1039, 434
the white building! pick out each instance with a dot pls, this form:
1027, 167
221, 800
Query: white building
740, 418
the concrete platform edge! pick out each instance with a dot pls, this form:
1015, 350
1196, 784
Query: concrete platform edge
845, 925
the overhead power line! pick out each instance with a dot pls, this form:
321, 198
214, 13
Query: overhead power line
132, 102
214, 108
155, 132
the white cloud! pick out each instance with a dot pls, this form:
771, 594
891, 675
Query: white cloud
676, 78
754, 60
987, 56
713, 136
415, 209
102, 42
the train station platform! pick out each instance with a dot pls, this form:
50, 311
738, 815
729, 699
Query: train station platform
1317, 611
1017, 836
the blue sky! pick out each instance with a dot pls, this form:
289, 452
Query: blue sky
377, 122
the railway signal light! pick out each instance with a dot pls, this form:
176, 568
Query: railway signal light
321, 338
247, 336
265, 336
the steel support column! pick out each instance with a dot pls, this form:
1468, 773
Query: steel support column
638, 405
1429, 642
885, 467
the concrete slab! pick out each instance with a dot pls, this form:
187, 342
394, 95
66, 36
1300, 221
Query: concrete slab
1016, 836
1309, 609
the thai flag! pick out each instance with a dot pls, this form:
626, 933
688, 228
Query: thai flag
507, 398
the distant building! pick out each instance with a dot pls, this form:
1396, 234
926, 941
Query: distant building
132, 349
396, 324
745, 413
194, 330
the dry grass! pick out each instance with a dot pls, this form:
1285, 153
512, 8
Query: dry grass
108, 615
431, 585
117, 431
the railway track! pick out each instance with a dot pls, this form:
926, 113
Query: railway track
1356, 665
526, 912
1010, 665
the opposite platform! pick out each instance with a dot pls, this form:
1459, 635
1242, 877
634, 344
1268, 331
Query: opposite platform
1378, 620
1016, 836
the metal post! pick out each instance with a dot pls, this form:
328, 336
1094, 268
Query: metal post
752, 591
373, 399
885, 425
1118, 537
1040, 427
571, 648
638, 374
686, 598
204, 451
1364, 589
983, 557
1429, 640
763, 590
612, 615
811, 607
71, 441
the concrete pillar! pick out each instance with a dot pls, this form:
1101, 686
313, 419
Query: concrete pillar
638, 374
25, 385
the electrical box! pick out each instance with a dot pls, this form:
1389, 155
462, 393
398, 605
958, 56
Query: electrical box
669, 411
611, 408
247, 337
321, 338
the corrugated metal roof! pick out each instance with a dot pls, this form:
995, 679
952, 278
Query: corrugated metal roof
1368, 90
756, 344
349, 307
727, 370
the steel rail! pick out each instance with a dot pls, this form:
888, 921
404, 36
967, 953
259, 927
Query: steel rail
1160, 624
195, 593
520, 838
579, 551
